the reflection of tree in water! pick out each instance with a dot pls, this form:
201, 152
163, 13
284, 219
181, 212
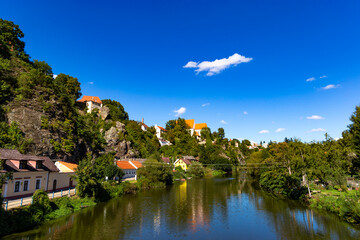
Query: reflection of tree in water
294, 221
190, 207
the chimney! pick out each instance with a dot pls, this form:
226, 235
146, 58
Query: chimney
142, 120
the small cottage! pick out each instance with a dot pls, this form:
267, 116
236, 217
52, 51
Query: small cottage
129, 168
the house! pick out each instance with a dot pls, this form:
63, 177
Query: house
30, 173
183, 163
191, 125
164, 142
199, 127
159, 131
166, 160
129, 168
92, 102
144, 127
64, 179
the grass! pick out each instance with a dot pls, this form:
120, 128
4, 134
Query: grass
345, 204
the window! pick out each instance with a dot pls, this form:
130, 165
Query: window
17, 186
38, 164
38, 184
26, 185
22, 164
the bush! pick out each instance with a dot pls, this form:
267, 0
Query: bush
155, 172
42, 201
196, 170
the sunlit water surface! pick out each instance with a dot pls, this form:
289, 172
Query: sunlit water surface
220, 208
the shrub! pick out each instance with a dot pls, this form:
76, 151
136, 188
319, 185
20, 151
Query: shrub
196, 170
41, 200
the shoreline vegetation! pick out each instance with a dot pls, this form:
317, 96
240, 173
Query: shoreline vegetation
315, 173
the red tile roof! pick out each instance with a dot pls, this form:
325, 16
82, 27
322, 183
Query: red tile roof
90, 99
190, 122
71, 166
166, 159
200, 126
137, 164
187, 162
163, 129
124, 165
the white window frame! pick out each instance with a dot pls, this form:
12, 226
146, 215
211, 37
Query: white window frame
39, 184
19, 186
28, 187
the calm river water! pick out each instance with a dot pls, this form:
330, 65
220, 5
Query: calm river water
219, 208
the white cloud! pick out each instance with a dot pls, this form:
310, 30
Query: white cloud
54, 76
180, 111
223, 122
330, 86
205, 104
323, 76
246, 113
316, 130
264, 131
310, 79
91, 83
315, 117
280, 130
217, 65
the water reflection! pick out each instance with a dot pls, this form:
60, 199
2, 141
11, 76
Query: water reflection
196, 209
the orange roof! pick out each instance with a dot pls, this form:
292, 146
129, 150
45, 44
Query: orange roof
71, 166
137, 164
90, 99
200, 126
124, 165
190, 123
161, 128
196, 134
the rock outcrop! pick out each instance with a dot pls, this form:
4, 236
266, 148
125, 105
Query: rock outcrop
116, 142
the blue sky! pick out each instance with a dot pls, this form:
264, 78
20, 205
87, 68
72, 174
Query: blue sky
135, 52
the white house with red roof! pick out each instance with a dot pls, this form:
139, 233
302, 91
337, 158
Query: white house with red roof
92, 102
159, 131
129, 168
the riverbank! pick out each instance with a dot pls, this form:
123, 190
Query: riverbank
345, 204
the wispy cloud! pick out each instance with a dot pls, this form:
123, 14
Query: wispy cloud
246, 113
205, 104
264, 131
91, 83
315, 117
280, 130
180, 111
330, 86
223, 122
310, 79
323, 76
218, 65
316, 130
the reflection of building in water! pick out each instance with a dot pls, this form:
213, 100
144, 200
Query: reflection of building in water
183, 191
157, 222
199, 214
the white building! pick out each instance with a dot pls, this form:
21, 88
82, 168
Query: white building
92, 102
129, 168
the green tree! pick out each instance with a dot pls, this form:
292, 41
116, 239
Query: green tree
117, 111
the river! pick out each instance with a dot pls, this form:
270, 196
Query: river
218, 208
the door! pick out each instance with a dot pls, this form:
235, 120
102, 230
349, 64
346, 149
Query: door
70, 183
54, 185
